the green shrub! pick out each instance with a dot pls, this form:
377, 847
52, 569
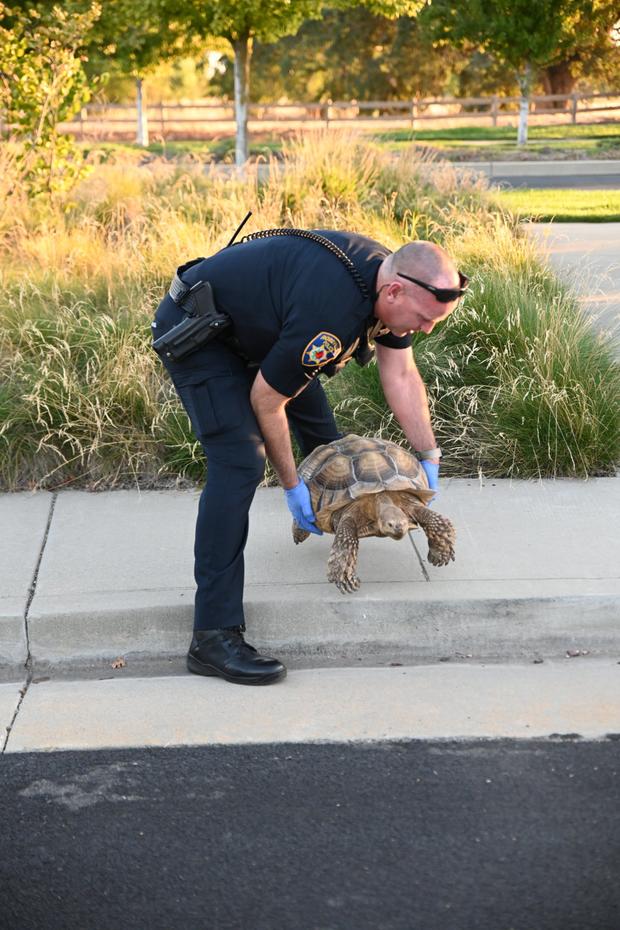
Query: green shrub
519, 383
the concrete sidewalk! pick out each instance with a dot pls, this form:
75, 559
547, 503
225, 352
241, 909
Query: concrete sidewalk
587, 257
89, 577
563, 168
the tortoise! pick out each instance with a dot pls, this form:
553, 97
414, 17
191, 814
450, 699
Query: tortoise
369, 487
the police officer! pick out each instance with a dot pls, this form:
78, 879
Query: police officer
296, 310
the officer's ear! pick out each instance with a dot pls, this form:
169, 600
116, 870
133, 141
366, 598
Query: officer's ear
395, 289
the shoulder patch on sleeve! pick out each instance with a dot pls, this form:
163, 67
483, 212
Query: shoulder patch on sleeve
322, 349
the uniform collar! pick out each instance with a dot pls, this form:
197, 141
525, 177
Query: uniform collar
375, 327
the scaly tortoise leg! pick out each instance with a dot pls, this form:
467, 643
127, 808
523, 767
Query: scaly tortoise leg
342, 560
298, 534
439, 531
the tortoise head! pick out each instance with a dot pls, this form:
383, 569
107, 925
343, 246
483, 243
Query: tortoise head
391, 521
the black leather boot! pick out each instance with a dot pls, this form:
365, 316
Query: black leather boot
225, 653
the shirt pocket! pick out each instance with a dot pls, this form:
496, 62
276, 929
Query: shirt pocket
216, 404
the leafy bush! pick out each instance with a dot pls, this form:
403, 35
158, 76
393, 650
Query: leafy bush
43, 82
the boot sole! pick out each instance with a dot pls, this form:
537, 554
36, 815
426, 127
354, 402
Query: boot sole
199, 668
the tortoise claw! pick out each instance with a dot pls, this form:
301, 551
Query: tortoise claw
440, 556
348, 584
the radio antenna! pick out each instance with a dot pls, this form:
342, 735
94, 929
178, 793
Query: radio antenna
239, 228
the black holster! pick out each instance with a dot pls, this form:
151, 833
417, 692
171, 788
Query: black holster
203, 322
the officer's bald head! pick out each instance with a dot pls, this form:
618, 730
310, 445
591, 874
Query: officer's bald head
424, 260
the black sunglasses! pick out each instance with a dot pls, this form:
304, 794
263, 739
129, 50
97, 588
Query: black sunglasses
444, 295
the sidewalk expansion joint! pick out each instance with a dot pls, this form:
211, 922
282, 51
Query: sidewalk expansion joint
31, 592
420, 560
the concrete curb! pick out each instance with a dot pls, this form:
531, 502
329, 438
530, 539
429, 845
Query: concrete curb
322, 629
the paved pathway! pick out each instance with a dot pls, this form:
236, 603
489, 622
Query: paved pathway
608, 182
602, 174
587, 255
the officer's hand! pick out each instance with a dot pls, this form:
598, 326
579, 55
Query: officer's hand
300, 505
432, 473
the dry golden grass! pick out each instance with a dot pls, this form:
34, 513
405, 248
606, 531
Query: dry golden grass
518, 382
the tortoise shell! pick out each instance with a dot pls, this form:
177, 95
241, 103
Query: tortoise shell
349, 468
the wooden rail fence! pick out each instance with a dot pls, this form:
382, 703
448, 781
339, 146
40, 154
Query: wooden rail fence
197, 120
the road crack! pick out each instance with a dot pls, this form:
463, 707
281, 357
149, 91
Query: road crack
31, 593
427, 577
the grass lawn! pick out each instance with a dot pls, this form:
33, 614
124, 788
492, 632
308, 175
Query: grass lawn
221, 148
482, 143
592, 206
489, 150
488, 142
506, 133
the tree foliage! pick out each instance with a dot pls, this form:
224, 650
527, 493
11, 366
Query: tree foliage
267, 21
522, 33
590, 50
42, 83
243, 21
134, 36
525, 36
355, 54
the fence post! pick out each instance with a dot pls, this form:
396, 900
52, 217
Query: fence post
327, 106
573, 108
414, 110
142, 132
161, 119
494, 109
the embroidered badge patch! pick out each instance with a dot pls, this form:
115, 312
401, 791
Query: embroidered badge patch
323, 348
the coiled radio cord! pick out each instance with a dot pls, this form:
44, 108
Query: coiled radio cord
320, 240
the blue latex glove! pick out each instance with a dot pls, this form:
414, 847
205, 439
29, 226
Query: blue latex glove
300, 505
432, 473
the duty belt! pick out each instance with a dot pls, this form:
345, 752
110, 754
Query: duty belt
178, 289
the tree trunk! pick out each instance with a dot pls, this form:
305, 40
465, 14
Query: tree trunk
243, 54
558, 79
142, 130
525, 82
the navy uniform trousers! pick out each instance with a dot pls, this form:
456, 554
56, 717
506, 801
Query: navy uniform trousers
214, 386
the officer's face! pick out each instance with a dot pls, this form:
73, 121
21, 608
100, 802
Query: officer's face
408, 309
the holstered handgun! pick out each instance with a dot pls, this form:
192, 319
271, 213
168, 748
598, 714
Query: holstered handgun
202, 323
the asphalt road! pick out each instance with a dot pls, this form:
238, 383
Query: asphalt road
499, 835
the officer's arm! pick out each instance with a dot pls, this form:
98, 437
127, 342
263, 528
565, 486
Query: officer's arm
269, 408
405, 393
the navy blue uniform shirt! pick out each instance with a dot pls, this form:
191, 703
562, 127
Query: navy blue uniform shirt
295, 307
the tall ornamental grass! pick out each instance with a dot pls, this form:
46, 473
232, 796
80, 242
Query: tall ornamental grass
520, 383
